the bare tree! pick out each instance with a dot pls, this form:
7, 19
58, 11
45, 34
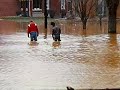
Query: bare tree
84, 9
101, 7
112, 10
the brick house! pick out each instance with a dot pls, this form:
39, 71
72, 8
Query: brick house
9, 7
35, 8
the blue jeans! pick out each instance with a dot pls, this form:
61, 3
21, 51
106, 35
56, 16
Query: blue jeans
33, 36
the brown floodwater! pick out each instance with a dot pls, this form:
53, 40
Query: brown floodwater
84, 59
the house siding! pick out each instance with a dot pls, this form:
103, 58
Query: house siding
8, 7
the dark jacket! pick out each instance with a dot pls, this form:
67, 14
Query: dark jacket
56, 31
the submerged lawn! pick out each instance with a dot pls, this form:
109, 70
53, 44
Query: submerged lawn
38, 20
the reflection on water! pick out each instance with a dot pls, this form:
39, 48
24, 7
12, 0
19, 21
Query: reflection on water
8, 27
33, 43
83, 59
56, 44
112, 52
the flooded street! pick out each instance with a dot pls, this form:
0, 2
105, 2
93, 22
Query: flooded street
84, 59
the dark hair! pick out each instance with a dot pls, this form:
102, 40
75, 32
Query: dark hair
31, 21
52, 23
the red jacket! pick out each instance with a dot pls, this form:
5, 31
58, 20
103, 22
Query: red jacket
32, 27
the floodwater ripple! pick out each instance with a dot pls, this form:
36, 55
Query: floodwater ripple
83, 62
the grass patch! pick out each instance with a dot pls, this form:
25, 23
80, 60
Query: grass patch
37, 20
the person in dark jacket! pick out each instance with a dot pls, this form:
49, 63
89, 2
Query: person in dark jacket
33, 31
56, 31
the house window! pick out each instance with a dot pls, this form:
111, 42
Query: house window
24, 4
62, 4
37, 4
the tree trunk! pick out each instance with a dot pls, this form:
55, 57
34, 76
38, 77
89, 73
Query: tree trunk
84, 25
112, 8
112, 21
84, 22
100, 22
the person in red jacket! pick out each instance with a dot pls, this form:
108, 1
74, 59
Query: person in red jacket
33, 31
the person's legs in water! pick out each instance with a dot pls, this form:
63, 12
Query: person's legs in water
57, 37
53, 37
33, 36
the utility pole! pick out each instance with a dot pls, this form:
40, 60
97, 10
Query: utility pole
45, 18
45, 13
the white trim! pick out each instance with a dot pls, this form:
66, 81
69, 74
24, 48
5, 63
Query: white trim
62, 4
48, 4
29, 9
36, 9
